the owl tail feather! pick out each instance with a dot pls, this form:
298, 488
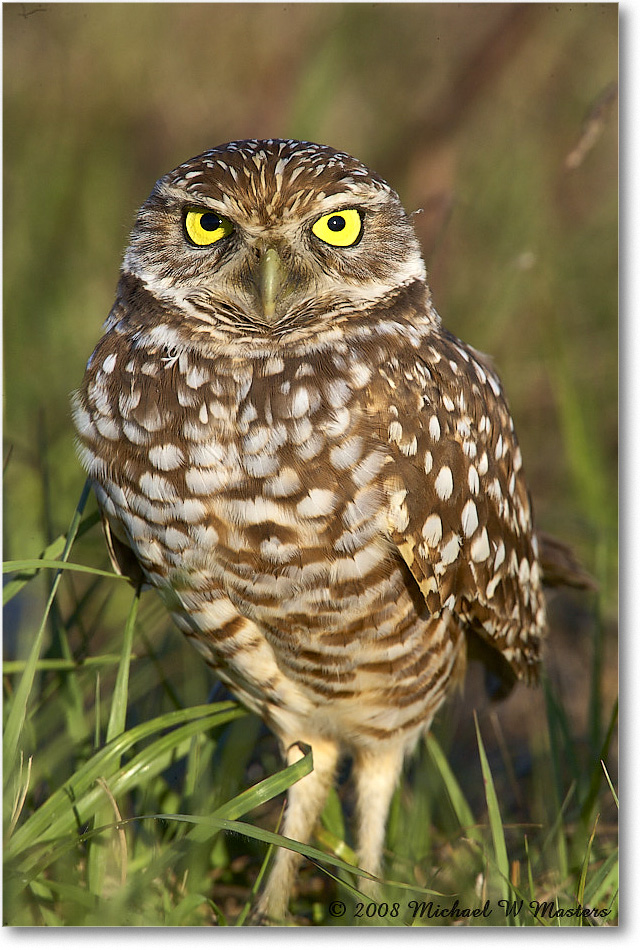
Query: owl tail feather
560, 567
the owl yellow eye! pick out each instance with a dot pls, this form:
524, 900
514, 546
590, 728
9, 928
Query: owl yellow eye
340, 228
206, 227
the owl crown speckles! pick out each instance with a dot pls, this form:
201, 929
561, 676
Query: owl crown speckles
321, 481
272, 192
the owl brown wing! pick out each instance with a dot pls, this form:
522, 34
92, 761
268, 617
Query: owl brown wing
460, 512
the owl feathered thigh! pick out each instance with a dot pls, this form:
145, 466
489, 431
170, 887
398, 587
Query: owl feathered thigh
323, 484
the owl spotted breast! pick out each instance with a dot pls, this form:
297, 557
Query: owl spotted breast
321, 481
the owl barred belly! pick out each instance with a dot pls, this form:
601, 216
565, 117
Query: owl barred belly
322, 482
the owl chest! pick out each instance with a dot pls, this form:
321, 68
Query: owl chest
273, 488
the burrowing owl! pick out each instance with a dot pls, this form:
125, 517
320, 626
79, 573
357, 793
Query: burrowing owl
323, 483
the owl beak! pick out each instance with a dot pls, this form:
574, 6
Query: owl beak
270, 281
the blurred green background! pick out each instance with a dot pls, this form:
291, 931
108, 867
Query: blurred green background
499, 121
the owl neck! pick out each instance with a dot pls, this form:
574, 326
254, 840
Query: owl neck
151, 323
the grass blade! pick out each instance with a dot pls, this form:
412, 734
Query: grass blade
52, 552
118, 711
36, 564
18, 711
494, 817
57, 816
455, 794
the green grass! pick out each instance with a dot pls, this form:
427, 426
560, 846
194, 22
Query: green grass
115, 815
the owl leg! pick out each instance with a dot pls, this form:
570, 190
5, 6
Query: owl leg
376, 774
305, 803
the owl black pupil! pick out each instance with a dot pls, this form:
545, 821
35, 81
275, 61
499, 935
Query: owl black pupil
210, 221
336, 223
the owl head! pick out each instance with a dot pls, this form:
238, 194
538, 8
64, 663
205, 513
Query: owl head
270, 240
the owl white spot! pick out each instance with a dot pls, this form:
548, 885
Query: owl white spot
300, 402
256, 440
287, 482
153, 421
524, 572
428, 462
128, 401
92, 463
517, 459
256, 511
470, 449
109, 363
166, 457
398, 510
492, 585
208, 454
272, 366
151, 551
409, 448
369, 468
337, 392
82, 419
347, 569
469, 518
304, 369
500, 556
310, 449
481, 375
275, 551
261, 465
450, 550
432, 530
204, 536
175, 539
444, 483
196, 377
482, 465
366, 504
449, 405
300, 431
247, 414
395, 432
186, 397
473, 480
463, 427
434, 428
338, 422
480, 548
107, 427
499, 448
495, 491
202, 414
156, 488
205, 481
135, 434
360, 374
318, 502
494, 385
347, 453
215, 615
98, 395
